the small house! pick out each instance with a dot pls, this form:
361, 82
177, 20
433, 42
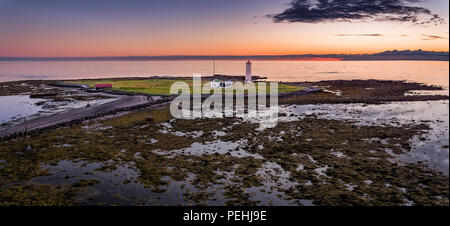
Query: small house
215, 83
219, 84
103, 86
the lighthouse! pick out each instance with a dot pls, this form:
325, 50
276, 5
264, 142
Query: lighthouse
248, 72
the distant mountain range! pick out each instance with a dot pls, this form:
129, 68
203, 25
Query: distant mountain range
387, 55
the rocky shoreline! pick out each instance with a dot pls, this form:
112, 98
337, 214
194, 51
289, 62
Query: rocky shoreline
141, 155
323, 92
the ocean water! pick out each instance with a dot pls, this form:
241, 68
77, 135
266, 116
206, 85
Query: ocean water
19, 106
429, 72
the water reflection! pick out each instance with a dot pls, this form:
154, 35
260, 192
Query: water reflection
433, 148
18, 106
429, 72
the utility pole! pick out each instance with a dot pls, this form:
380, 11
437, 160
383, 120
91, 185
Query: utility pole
214, 66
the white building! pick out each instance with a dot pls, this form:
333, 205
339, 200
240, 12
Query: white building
219, 84
215, 83
226, 84
248, 72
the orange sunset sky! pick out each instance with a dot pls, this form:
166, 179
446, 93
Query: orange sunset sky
200, 27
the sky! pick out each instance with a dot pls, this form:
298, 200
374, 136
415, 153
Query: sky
87, 28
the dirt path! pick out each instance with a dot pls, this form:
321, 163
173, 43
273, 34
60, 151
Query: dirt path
80, 113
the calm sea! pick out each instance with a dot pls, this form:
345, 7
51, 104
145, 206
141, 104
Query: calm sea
429, 72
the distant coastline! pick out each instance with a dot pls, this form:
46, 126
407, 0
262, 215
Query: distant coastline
417, 55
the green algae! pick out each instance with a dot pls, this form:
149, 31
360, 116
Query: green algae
85, 183
36, 195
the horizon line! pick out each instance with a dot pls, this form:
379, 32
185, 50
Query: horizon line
212, 56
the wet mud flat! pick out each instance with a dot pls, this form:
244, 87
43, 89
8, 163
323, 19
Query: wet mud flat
431, 147
33, 100
135, 159
49, 98
23, 107
317, 154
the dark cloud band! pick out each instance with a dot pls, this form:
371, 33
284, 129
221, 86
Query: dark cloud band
364, 35
432, 37
318, 11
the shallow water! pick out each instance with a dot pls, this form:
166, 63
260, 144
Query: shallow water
118, 186
121, 186
433, 149
444, 92
216, 147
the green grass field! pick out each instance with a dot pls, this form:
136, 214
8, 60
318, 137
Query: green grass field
162, 86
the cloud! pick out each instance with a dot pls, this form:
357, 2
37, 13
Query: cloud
369, 35
320, 11
364, 35
432, 37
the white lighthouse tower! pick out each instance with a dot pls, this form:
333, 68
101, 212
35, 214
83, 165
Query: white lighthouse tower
248, 72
